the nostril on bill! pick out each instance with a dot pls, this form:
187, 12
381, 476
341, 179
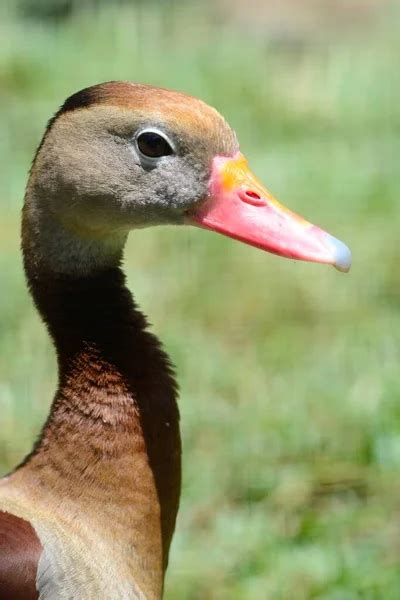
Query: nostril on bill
251, 197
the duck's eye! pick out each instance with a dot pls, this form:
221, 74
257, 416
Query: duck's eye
153, 145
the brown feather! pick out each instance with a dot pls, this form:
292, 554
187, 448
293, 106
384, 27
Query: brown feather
20, 550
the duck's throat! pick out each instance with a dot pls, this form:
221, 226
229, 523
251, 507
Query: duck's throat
111, 444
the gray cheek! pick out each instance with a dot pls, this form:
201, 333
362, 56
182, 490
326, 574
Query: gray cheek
163, 194
182, 184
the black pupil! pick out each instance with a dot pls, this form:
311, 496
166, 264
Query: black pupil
153, 145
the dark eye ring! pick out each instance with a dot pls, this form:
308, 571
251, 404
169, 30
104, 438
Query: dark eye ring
153, 144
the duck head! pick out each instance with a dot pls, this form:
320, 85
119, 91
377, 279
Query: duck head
119, 156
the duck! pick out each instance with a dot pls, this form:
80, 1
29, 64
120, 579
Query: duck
91, 511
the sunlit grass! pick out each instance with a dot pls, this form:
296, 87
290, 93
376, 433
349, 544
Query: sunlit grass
289, 380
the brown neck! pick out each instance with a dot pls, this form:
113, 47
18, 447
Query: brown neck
113, 431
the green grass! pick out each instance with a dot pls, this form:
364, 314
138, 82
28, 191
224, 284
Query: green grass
290, 386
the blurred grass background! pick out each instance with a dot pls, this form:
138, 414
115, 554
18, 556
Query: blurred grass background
289, 372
